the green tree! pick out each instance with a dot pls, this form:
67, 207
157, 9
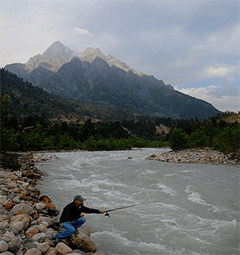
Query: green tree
199, 138
4, 104
228, 140
179, 139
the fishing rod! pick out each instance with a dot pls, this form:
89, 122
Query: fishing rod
119, 208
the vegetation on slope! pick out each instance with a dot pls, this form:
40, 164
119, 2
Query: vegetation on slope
32, 119
35, 133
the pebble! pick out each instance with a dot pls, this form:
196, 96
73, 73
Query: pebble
200, 156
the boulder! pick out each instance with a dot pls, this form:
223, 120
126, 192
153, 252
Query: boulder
50, 206
32, 231
40, 206
14, 244
22, 217
34, 214
26, 208
43, 247
7, 253
62, 248
9, 205
49, 220
52, 251
83, 242
51, 233
3, 246
3, 210
40, 237
42, 227
3, 225
33, 251
44, 199
18, 225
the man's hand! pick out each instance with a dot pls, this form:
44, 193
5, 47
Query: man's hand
81, 215
101, 211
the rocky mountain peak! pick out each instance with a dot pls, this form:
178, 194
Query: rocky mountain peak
57, 49
90, 54
52, 59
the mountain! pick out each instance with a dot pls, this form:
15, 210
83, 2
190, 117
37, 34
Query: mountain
27, 100
104, 80
90, 54
52, 59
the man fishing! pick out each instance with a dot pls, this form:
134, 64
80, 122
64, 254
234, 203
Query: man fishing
72, 217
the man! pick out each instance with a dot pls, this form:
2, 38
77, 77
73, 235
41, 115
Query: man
72, 217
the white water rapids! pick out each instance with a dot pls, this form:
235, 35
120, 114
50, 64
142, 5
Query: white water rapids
182, 208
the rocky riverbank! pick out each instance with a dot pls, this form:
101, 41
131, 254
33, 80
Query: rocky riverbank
28, 219
201, 156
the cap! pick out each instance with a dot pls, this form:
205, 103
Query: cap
80, 198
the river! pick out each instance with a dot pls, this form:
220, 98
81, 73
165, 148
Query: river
180, 208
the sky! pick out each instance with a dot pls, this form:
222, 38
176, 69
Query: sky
192, 45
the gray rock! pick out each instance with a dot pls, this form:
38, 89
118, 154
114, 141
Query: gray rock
3, 210
22, 208
15, 231
63, 248
51, 233
6, 238
33, 251
23, 218
30, 245
40, 206
14, 244
19, 225
83, 242
16, 200
7, 253
32, 231
49, 220
3, 246
51, 251
43, 247
40, 237
4, 225
9, 235
42, 227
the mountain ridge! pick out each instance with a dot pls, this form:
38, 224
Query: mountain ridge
27, 100
90, 78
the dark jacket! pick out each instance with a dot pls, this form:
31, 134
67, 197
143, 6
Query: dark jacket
72, 212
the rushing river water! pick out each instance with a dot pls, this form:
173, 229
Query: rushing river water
181, 208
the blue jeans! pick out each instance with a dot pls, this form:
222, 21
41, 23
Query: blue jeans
70, 228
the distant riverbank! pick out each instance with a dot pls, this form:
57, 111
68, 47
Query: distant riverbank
201, 156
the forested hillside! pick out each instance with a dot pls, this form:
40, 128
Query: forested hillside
27, 100
36, 133
32, 119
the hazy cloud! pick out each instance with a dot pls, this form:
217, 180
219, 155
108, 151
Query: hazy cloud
225, 98
81, 31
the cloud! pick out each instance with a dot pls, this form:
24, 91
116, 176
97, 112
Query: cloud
222, 100
81, 31
193, 58
218, 71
